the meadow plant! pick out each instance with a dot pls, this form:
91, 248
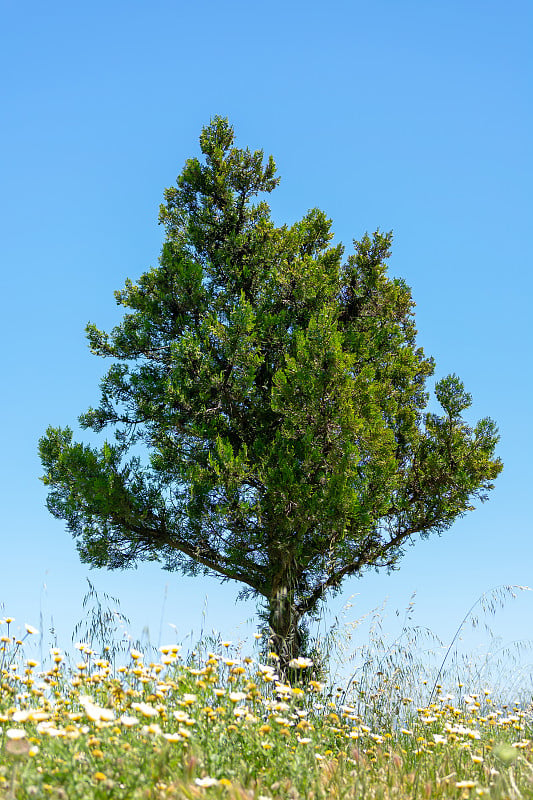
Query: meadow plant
217, 723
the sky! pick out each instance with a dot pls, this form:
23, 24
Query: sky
410, 116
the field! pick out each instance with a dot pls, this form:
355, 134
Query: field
214, 723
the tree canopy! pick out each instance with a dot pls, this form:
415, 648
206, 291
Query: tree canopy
266, 406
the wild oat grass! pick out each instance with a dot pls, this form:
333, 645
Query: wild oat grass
224, 726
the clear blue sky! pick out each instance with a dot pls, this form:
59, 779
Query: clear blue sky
411, 116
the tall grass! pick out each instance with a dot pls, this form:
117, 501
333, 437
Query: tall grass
117, 720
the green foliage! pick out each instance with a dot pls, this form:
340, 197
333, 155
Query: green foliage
280, 395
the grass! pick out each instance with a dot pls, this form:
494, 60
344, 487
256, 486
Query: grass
216, 724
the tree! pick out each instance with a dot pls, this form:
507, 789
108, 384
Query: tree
267, 400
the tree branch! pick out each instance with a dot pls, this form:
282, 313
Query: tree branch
210, 559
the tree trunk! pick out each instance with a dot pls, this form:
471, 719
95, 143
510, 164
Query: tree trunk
285, 637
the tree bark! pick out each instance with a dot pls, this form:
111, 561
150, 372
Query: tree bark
284, 618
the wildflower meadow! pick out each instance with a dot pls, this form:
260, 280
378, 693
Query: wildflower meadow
213, 722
